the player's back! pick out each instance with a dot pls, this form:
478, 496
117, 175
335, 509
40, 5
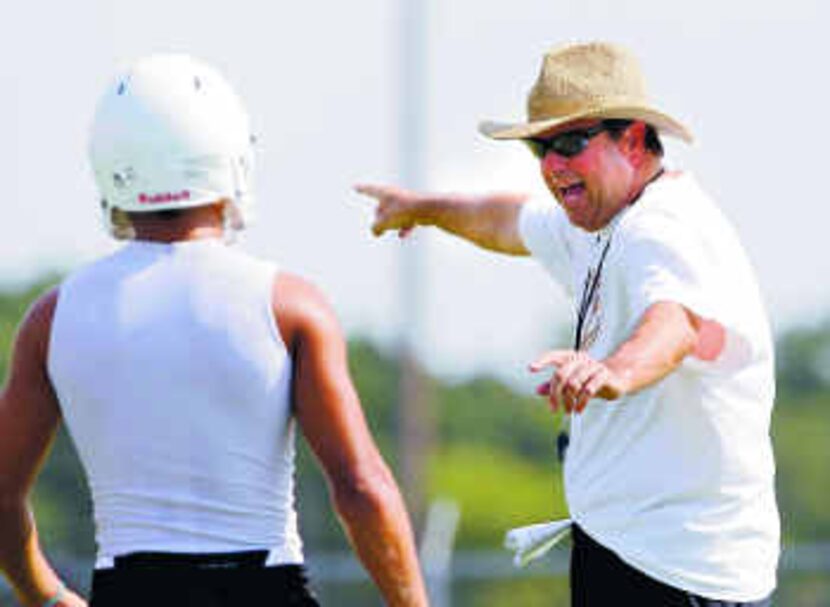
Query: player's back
175, 385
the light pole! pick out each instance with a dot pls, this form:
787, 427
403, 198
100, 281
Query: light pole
414, 415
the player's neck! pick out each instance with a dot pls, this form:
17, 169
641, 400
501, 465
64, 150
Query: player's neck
188, 224
164, 235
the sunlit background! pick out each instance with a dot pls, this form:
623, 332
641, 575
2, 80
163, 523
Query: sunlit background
324, 84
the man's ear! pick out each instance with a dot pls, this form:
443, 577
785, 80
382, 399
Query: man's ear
633, 143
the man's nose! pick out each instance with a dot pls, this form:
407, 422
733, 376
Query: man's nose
553, 162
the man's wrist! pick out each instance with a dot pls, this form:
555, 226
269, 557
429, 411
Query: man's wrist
622, 377
428, 210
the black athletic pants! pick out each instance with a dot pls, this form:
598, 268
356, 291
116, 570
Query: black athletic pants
203, 580
599, 578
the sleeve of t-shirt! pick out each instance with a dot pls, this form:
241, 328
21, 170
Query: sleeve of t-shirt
542, 230
666, 260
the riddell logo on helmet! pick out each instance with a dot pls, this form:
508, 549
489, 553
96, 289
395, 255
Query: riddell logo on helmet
162, 197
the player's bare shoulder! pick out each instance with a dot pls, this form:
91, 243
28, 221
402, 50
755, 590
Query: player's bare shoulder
302, 310
36, 326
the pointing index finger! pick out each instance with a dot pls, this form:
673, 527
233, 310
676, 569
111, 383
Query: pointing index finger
372, 190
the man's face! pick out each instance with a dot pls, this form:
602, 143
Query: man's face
593, 185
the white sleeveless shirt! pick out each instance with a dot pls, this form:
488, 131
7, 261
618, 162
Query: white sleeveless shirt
175, 385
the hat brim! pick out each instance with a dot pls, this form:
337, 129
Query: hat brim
664, 123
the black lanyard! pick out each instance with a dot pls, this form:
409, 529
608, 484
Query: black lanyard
589, 293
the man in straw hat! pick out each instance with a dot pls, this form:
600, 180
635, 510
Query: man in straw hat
669, 472
183, 368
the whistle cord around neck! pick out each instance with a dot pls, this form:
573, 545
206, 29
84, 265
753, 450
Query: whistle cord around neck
589, 292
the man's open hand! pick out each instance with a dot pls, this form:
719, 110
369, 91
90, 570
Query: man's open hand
577, 379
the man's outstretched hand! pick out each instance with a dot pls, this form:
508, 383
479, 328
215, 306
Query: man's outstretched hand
577, 378
396, 208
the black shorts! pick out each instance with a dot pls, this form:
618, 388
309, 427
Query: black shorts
599, 578
203, 580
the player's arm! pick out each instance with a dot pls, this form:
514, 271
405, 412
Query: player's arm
29, 417
665, 335
328, 410
488, 220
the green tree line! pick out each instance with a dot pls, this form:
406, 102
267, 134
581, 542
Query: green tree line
487, 437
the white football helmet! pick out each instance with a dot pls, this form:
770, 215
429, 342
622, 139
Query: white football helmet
170, 133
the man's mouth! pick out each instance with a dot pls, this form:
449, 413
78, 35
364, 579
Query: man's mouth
570, 194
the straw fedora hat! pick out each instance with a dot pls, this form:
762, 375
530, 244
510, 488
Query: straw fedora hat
579, 81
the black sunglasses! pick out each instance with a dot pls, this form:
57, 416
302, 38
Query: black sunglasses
567, 145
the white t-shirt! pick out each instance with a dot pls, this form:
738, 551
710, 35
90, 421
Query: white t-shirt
175, 385
677, 479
